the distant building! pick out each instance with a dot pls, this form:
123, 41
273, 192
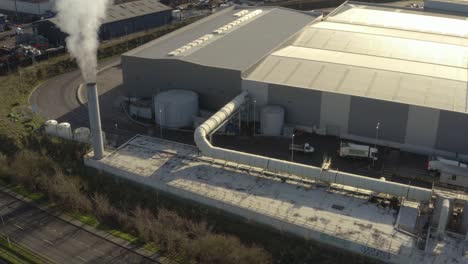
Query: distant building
32, 7
362, 64
122, 19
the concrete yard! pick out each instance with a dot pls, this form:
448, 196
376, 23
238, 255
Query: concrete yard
313, 211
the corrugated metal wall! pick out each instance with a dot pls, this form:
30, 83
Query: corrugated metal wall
302, 105
452, 133
26, 7
334, 113
134, 24
421, 129
422, 125
145, 77
365, 113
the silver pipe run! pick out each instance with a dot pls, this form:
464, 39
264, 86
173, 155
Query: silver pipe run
301, 170
95, 121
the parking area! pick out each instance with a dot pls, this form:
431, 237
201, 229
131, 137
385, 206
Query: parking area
393, 164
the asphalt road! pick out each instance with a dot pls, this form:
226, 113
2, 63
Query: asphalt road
56, 98
57, 240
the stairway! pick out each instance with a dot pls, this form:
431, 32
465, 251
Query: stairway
391, 163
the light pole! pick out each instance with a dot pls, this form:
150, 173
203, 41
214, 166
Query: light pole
292, 148
16, 12
160, 123
254, 114
240, 121
376, 138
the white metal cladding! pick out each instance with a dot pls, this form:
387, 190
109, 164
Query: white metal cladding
306, 171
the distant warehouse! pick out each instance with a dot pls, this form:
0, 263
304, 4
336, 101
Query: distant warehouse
32, 7
362, 65
122, 19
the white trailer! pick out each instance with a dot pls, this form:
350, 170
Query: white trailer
452, 172
438, 164
306, 148
348, 149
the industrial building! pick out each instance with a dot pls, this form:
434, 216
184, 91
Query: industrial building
122, 19
373, 73
31, 7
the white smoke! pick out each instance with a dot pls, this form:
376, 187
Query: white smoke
81, 20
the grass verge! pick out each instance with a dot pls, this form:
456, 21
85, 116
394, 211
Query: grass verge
132, 239
15, 253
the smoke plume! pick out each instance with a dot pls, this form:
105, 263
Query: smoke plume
81, 20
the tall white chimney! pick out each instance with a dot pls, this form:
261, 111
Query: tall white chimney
95, 121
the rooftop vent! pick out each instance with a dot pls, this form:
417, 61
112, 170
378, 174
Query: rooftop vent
243, 17
190, 45
241, 13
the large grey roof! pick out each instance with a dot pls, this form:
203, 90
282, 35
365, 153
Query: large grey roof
129, 10
238, 48
381, 53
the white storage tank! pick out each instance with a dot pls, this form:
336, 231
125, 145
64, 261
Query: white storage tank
51, 127
176, 108
82, 134
272, 120
64, 130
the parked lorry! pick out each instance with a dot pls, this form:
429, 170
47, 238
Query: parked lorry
306, 148
352, 150
439, 163
452, 173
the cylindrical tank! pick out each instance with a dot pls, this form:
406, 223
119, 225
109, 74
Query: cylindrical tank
176, 108
64, 130
464, 221
51, 127
272, 120
82, 134
444, 217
